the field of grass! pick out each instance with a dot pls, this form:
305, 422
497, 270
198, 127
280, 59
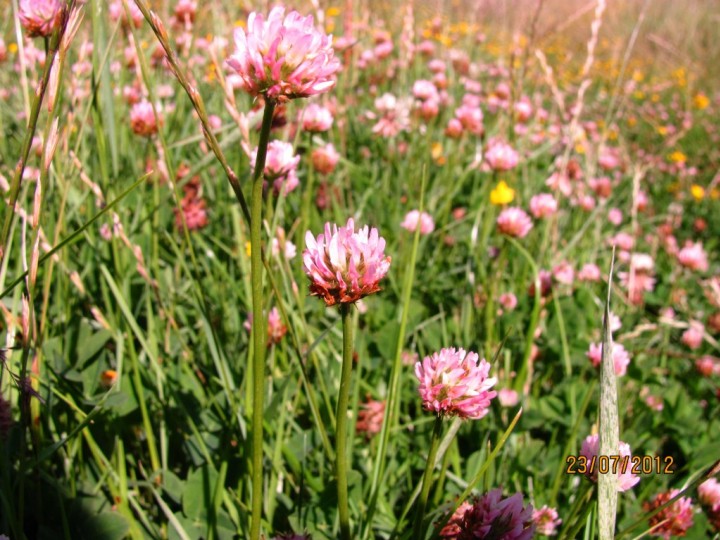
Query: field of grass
544, 178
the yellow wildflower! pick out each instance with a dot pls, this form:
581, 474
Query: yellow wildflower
437, 153
444, 40
332, 11
697, 191
12, 47
248, 248
677, 157
662, 130
701, 101
502, 194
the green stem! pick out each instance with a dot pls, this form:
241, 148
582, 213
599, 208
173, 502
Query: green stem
534, 319
309, 188
565, 350
418, 529
394, 387
258, 323
494, 276
341, 464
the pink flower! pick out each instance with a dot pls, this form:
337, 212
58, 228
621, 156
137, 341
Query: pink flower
620, 357
590, 449
501, 156
609, 159
142, 119
602, 187
185, 10
429, 109
452, 528
560, 182
194, 210
494, 517
276, 329
280, 166
280, 244
409, 358
454, 383
471, 119
654, 402
615, 216
586, 202
546, 521
508, 397
316, 118
454, 128
508, 301
693, 336
415, 218
543, 205
709, 494
284, 57
523, 110
117, 13
546, 284
344, 265
370, 417
424, 90
40, 17
564, 273
514, 222
427, 48
639, 279
589, 272
707, 366
325, 158
693, 256
673, 520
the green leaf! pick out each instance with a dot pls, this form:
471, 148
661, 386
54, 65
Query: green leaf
197, 499
108, 526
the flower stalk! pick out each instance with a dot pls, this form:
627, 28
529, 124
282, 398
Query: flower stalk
341, 459
418, 529
258, 324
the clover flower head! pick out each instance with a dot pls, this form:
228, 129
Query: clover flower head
454, 382
345, 265
283, 57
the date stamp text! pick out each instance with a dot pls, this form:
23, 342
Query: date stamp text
620, 465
